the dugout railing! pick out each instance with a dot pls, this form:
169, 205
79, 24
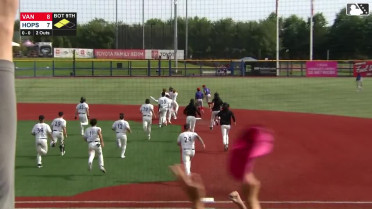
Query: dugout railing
156, 68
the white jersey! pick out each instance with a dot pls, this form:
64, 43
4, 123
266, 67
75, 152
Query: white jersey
82, 108
58, 124
164, 102
91, 134
147, 109
171, 95
120, 126
175, 94
41, 130
187, 139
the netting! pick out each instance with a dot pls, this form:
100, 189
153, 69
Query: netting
222, 42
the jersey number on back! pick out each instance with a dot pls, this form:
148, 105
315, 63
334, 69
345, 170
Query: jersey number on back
40, 130
57, 124
187, 139
120, 126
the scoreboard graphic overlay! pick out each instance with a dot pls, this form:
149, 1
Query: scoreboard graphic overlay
48, 23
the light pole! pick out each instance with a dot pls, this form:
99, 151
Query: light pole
175, 35
311, 29
116, 26
186, 33
143, 24
277, 38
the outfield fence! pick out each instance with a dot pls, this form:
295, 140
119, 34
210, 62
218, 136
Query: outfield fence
156, 68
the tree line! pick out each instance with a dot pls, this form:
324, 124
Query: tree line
347, 38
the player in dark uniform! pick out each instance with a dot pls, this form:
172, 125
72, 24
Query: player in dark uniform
191, 111
216, 105
225, 116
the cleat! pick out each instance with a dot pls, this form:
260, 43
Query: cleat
90, 166
63, 153
122, 156
103, 169
211, 128
52, 144
226, 147
149, 137
39, 166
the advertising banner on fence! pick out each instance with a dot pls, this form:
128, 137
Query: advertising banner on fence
163, 54
130, 54
363, 67
321, 69
68, 53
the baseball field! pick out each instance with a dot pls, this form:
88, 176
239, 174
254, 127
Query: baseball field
321, 157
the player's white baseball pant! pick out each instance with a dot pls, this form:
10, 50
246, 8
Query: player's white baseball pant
121, 139
163, 116
208, 98
170, 113
176, 106
83, 121
187, 155
213, 118
41, 148
225, 133
93, 147
192, 121
146, 124
57, 135
359, 84
199, 103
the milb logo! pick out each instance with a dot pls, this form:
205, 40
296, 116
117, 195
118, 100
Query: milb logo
357, 9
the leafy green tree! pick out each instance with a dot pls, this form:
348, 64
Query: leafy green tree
320, 33
295, 36
346, 37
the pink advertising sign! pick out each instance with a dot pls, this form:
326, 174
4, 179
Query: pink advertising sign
321, 69
119, 53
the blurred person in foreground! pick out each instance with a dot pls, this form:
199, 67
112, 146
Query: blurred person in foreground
254, 142
8, 9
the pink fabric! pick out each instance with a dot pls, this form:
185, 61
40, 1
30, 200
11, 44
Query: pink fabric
254, 142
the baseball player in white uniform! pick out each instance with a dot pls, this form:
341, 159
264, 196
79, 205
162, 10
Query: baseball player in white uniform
147, 111
187, 142
93, 135
164, 105
175, 104
41, 131
82, 109
121, 127
59, 132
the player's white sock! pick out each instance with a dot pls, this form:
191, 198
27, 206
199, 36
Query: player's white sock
123, 150
38, 158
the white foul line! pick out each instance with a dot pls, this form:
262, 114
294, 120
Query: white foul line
184, 202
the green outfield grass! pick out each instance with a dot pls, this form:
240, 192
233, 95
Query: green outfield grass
141, 164
335, 96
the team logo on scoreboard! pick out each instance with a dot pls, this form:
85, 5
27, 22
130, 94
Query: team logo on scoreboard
357, 9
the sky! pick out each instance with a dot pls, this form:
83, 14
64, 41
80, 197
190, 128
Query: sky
130, 11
